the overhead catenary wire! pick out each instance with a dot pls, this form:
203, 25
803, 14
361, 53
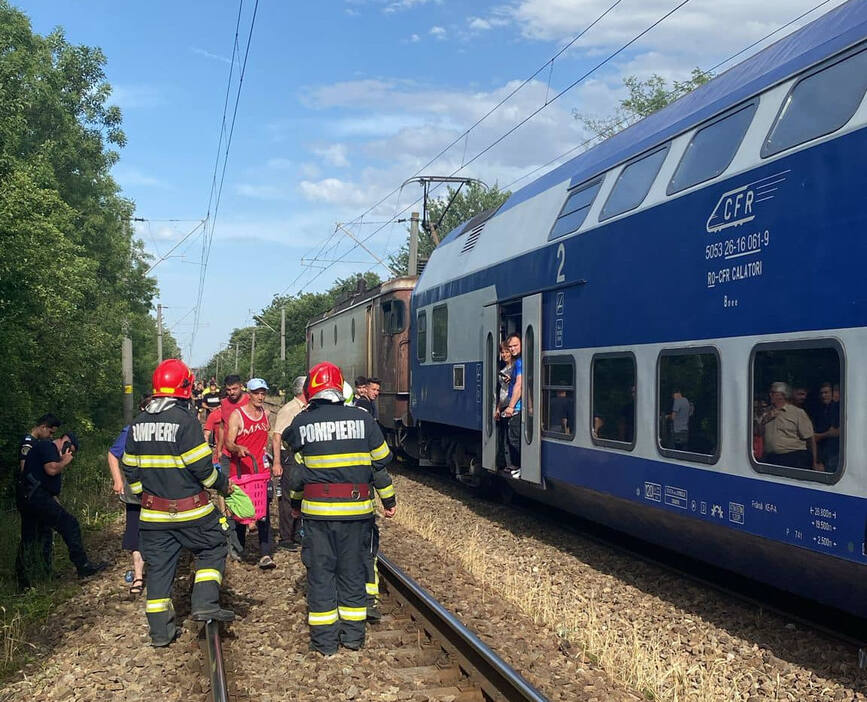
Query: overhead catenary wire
216, 194
510, 131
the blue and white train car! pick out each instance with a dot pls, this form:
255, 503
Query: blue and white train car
714, 248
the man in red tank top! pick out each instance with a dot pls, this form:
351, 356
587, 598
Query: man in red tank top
235, 398
246, 438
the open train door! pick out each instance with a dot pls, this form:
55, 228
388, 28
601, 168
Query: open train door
490, 358
531, 394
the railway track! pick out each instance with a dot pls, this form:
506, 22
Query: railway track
436, 656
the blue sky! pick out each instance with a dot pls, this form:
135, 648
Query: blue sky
342, 101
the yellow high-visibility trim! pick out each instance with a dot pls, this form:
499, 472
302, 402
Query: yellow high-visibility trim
353, 614
322, 618
386, 492
337, 509
296, 494
153, 461
380, 451
337, 460
196, 454
205, 574
162, 605
211, 479
153, 516
136, 487
372, 589
299, 458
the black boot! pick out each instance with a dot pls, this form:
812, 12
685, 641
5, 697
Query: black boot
219, 615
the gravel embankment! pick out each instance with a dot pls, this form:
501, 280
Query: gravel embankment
95, 647
652, 632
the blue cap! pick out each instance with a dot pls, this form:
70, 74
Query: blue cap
256, 384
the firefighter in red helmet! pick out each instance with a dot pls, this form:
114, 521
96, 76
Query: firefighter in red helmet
176, 510
339, 452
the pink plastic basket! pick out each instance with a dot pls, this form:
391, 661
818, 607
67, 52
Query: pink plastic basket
256, 486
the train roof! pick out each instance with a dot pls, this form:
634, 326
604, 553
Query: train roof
825, 36
364, 294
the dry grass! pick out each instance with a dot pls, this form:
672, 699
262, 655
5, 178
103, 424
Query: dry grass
641, 659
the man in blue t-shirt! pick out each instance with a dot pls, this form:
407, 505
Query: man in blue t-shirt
37, 502
512, 411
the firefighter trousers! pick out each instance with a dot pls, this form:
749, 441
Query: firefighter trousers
372, 574
160, 549
334, 553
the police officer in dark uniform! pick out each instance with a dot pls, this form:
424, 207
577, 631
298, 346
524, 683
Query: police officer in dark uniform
36, 499
339, 453
169, 463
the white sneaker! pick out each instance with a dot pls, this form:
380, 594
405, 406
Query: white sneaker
267, 563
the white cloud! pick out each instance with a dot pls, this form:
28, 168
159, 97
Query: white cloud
209, 55
132, 176
333, 154
414, 38
478, 23
335, 191
437, 32
261, 192
130, 97
399, 5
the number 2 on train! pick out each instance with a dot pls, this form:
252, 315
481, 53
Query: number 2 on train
561, 256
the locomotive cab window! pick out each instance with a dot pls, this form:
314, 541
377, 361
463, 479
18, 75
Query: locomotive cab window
688, 387
440, 342
575, 209
612, 400
819, 104
392, 316
633, 184
712, 149
421, 337
558, 397
797, 417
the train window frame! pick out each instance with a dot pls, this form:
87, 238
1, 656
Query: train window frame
689, 153
614, 443
805, 474
768, 150
421, 336
692, 456
570, 194
560, 359
664, 149
435, 353
459, 376
392, 310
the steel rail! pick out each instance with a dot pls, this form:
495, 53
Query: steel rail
496, 678
216, 669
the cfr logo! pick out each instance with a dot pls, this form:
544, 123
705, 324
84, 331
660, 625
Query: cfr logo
738, 206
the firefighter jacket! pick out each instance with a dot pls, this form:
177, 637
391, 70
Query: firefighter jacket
166, 456
336, 443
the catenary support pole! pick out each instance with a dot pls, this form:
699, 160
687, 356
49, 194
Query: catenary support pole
159, 333
126, 369
413, 245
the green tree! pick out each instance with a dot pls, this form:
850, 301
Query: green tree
300, 309
471, 200
644, 98
71, 275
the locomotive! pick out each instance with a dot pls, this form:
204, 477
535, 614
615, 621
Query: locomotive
711, 252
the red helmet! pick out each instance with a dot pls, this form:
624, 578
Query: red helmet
173, 378
323, 376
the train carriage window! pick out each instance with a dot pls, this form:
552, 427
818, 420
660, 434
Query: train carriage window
575, 209
335, 335
688, 410
819, 104
633, 184
490, 384
612, 400
392, 316
797, 414
321, 338
421, 337
558, 397
440, 323
712, 149
352, 330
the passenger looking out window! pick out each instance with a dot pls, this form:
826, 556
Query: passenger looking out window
787, 432
826, 424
